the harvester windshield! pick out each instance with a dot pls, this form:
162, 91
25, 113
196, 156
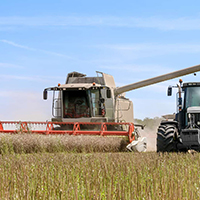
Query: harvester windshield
82, 103
76, 104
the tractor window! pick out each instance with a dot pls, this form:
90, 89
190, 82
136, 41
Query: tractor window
75, 104
192, 96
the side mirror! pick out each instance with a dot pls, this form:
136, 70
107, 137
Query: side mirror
45, 95
169, 91
108, 93
102, 100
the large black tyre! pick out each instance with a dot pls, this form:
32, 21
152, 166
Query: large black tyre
167, 138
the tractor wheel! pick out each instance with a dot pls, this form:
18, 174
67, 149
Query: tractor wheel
166, 138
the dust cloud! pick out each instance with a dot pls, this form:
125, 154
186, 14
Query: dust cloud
151, 135
149, 131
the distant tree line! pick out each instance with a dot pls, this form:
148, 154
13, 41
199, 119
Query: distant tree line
149, 123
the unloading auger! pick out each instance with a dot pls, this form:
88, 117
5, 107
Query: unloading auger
95, 106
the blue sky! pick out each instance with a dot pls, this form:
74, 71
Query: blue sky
41, 41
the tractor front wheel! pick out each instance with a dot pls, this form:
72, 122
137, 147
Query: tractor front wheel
167, 138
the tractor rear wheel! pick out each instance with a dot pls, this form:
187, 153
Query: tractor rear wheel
166, 138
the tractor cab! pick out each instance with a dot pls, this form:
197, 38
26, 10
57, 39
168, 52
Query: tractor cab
191, 106
188, 103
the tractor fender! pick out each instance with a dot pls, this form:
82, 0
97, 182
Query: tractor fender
164, 122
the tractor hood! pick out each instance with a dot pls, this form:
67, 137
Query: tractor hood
194, 109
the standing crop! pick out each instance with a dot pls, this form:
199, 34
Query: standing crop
100, 176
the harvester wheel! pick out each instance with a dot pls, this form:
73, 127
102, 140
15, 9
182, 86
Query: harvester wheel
166, 138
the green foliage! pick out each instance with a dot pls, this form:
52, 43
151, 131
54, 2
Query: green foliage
100, 176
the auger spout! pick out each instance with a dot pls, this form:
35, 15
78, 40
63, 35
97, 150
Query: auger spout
157, 79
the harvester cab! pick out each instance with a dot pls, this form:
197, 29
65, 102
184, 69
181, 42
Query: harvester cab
182, 131
89, 99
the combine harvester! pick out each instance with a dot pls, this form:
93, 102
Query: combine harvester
93, 106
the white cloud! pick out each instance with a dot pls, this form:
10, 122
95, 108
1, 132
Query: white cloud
157, 22
34, 49
8, 65
136, 68
17, 45
145, 50
155, 48
29, 78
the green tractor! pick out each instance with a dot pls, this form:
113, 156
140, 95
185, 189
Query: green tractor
181, 131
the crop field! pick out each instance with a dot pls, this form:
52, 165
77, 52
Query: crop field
37, 143
85, 167
100, 176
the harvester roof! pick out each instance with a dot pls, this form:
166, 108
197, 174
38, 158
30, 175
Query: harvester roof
79, 85
76, 77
